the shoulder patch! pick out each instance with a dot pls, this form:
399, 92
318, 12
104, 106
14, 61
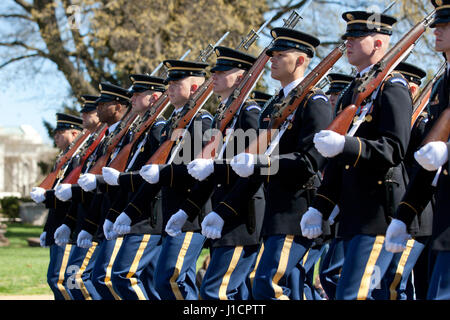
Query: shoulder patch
250, 108
207, 116
159, 122
320, 96
399, 80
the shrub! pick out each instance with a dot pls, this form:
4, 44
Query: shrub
10, 206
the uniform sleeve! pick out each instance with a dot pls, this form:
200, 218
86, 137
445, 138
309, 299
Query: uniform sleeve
93, 214
198, 197
130, 181
141, 200
394, 127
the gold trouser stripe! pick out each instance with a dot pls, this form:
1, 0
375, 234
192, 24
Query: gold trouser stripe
303, 263
226, 278
108, 282
368, 271
359, 152
62, 271
178, 266
252, 274
400, 268
284, 256
134, 266
78, 279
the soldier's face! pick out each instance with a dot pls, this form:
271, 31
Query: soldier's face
141, 101
63, 138
179, 92
442, 40
334, 98
359, 49
90, 119
224, 82
284, 64
105, 111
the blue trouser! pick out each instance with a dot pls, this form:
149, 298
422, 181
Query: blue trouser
59, 257
134, 267
395, 281
78, 273
101, 274
227, 271
280, 256
439, 288
331, 267
176, 268
365, 264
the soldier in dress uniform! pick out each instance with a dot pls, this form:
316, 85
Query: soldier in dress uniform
132, 272
173, 280
297, 162
338, 82
233, 255
431, 178
68, 127
260, 97
364, 175
112, 107
80, 262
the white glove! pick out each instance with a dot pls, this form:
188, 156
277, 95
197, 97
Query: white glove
122, 225
62, 235
175, 223
108, 231
329, 143
42, 238
150, 173
212, 226
311, 223
201, 169
243, 164
432, 155
84, 239
88, 181
37, 194
111, 176
64, 191
396, 236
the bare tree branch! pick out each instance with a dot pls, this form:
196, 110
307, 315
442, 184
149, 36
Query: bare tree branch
35, 55
16, 15
28, 7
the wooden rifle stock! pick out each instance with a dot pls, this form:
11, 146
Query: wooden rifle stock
440, 131
103, 160
290, 103
421, 102
73, 176
49, 181
342, 122
373, 78
120, 161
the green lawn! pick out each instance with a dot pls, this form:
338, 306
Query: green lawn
23, 269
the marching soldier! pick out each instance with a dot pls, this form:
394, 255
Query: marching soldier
233, 255
68, 127
132, 273
173, 279
431, 178
364, 175
286, 193
338, 82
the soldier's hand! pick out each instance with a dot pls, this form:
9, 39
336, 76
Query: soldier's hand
111, 176
175, 223
311, 223
42, 238
201, 169
122, 225
37, 194
212, 226
150, 173
64, 191
88, 181
243, 164
396, 236
84, 239
329, 143
432, 155
62, 235
108, 231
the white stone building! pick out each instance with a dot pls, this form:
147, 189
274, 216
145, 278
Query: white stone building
21, 148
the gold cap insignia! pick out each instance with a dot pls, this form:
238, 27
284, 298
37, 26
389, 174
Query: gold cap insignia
218, 52
132, 79
274, 34
350, 16
168, 65
100, 86
439, 2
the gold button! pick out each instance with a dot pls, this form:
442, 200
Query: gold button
368, 118
380, 182
445, 172
347, 167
